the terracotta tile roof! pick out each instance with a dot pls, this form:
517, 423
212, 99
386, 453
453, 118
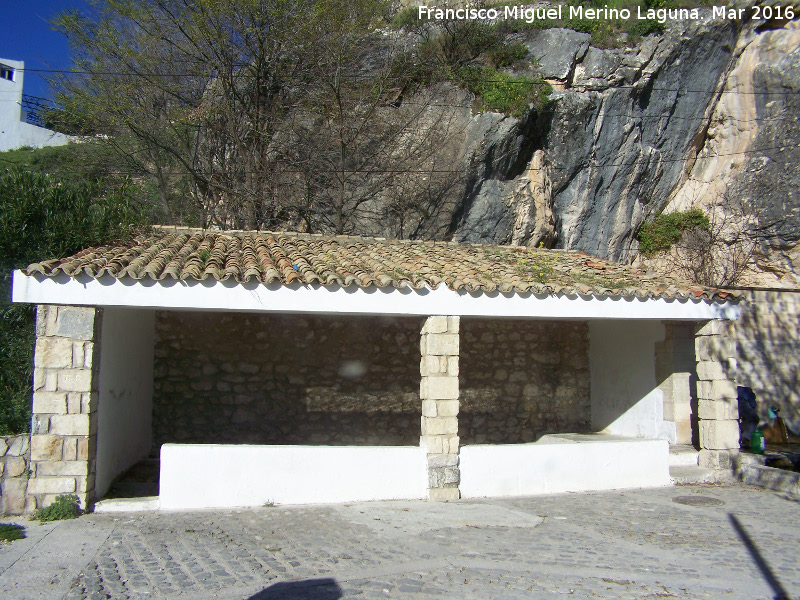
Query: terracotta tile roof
347, 260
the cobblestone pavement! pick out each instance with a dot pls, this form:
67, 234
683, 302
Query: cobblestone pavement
680, 542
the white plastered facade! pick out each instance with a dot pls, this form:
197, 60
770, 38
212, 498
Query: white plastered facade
626, 401
255, 297
14, 132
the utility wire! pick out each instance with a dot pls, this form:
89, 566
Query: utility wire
551, 112
424, 171
400, 78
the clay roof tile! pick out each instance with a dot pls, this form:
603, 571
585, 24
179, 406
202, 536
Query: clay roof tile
170, 253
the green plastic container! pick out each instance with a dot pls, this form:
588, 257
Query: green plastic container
757, 443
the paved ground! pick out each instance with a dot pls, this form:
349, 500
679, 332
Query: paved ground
681, 542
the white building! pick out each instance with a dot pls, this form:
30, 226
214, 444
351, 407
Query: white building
15, 131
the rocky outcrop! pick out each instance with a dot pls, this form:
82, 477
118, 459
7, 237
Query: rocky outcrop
616, 137
555, 52
520, 210
706, 110
746, 170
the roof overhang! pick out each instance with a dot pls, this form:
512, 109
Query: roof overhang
213, 295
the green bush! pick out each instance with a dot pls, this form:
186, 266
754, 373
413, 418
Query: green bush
501, 92
10, 532
16, 361
605, 33
468, 54
406, 17
638, 29
506, 54
41, 217
667, 229
459, 43
65, 506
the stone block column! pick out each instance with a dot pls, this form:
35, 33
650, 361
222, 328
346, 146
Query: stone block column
64, 422
717, 408
439, 393
675, 364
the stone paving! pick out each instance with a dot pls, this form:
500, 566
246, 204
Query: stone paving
680, 542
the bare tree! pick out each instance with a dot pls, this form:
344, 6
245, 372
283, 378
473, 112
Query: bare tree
722, 253
267, 113
721, 249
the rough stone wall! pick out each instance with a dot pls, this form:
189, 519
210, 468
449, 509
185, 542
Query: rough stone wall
522, 379
284, 379
64, 422
768, 346
15, 454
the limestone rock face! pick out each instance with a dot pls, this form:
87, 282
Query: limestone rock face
557, 50
598, 66
619, 152
771, 176
702, 111
750, 151
615, 139
518, 211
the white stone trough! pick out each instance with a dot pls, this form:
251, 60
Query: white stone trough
224, 476
563, 463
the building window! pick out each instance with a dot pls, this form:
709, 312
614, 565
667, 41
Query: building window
6, 73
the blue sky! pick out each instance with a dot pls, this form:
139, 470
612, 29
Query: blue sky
25, 34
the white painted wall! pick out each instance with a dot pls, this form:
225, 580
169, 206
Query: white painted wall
10, 105
220, 476
557, 464
125, 403
315, 298
624, 393
14, 132
38, 137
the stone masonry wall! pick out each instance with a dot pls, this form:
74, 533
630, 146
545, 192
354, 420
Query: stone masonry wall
768, 346
717, 409
438, 390
286, 379
523, 379
64, 421
14, 472
292, 379
675, 369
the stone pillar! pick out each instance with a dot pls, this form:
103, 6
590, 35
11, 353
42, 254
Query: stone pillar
439, 394
717, 408
674, 368
64, 422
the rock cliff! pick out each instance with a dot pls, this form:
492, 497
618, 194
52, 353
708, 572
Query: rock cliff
702, 114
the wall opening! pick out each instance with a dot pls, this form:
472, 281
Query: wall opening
244, 378
125, 392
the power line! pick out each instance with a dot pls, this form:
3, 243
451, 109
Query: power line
422, 171
465, 105
400, 78
620, 116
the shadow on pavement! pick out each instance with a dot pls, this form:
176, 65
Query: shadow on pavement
761, 563
309, 589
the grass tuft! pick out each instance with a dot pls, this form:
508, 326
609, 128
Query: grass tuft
667, 228
65, 506
10, 532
